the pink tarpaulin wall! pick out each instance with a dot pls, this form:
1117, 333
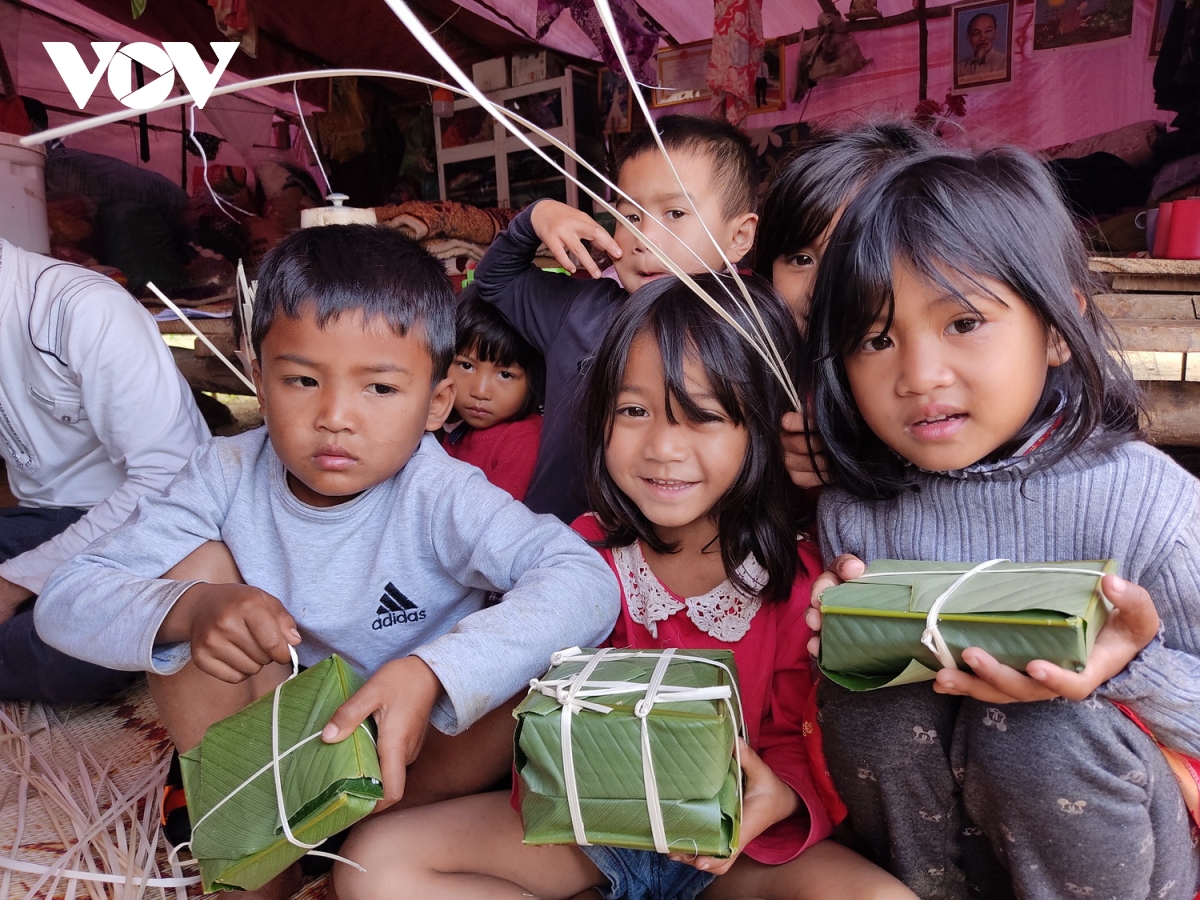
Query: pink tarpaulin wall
1055, 96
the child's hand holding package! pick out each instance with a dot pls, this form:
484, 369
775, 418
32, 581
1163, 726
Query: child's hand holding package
400, 695
1131, 625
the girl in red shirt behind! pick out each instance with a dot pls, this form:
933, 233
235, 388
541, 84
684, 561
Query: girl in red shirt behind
500, 382
685, 475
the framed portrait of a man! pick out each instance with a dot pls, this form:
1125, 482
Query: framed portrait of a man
982, 43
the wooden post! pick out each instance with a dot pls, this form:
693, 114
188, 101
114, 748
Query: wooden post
923, 52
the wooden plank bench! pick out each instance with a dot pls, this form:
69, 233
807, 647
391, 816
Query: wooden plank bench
1154, 305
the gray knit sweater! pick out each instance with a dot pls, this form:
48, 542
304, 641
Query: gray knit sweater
1131, 503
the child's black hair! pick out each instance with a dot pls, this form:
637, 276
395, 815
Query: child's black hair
345, 268
734, 163
486, 334
754, 516
954, 218
820, 176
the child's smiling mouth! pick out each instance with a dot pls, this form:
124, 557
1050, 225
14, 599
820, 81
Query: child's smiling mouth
669, 485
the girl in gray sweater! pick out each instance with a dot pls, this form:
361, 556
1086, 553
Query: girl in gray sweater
973, 406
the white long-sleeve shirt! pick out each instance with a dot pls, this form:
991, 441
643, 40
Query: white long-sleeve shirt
93, 411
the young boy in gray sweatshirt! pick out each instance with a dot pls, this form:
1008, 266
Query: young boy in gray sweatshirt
341, 527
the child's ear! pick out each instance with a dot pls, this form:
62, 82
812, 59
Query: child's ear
741, 235
256, 376
440, 404
1057, 351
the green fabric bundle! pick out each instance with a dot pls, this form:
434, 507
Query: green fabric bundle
239, 841
872, 627
693, 769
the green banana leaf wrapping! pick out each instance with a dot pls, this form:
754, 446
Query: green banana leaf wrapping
326, 787
692, 750
871, 627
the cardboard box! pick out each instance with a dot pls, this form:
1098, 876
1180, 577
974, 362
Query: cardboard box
872, 627
530, 67
491, 74
691, 743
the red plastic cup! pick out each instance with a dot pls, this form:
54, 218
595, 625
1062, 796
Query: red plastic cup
1163, 232
1184, 239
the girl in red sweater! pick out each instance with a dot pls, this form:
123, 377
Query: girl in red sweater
686, 479
500, 382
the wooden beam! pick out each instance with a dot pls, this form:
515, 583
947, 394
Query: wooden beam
904, 18
1157, 283
1174, 408
1158, 335
922, 51
1148, 306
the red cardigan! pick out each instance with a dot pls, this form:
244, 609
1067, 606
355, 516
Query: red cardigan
775, 679
505, 452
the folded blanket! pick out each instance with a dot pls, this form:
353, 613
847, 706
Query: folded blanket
426, 219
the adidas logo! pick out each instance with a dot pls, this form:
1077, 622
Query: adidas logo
395, 608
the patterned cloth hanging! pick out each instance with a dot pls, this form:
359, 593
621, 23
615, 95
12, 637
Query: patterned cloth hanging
638, 39
737, 51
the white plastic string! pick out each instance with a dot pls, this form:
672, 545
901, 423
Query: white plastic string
931, 637
642, 710
277, 757
568, 751
221, 204
311, 144
569, 689
112, 829
166, 301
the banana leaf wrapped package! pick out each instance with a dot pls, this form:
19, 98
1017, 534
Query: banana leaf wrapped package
903, 620
235, 788
632, 748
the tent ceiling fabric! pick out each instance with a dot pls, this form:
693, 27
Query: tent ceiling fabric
314, 34
684, 20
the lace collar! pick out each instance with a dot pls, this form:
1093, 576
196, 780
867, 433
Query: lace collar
723, 613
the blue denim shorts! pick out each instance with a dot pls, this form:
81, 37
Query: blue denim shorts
646, 875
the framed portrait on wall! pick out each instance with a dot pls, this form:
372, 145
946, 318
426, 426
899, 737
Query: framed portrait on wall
982, 43
616, 109
682, 74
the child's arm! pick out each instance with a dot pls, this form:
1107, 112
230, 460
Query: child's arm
534, 302
107, 604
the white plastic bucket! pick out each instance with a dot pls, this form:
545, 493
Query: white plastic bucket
23, 195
